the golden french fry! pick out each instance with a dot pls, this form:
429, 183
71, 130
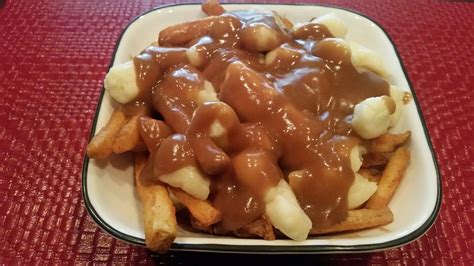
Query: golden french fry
158, 212
390, 180
202, 210
127, 137
356, 220
101, 144
185, 32
140, 161
212, 7
261, 228
199, 226
389, 142
367, 173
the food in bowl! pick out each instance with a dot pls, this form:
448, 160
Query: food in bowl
258, 127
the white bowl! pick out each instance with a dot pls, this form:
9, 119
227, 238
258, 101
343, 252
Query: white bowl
108, 187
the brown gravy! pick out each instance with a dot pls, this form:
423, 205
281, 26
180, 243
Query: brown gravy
287, 118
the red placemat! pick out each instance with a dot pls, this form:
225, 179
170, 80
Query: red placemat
53, 57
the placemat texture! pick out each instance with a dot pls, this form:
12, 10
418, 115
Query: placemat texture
54, 55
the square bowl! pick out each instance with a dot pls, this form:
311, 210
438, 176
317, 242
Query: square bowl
108, 186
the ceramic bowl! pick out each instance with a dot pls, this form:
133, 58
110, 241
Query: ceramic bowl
108, 186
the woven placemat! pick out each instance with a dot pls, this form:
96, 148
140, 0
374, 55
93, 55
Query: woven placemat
53, 57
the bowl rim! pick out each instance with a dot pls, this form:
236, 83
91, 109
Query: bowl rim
280, 249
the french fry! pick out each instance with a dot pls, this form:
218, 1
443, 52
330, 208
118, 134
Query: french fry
389, 142
185, 32
158, 212
356, 220
199, 226
202, 210
212, 7
390, 180
100, 146
127, 137
140, 161
261, 228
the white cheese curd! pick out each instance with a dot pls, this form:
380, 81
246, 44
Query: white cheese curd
207, 94
372, 116
284, 212
189, 179
335, 25
121, 82
363, 57
360, 191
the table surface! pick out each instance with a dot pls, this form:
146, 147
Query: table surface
54, 55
